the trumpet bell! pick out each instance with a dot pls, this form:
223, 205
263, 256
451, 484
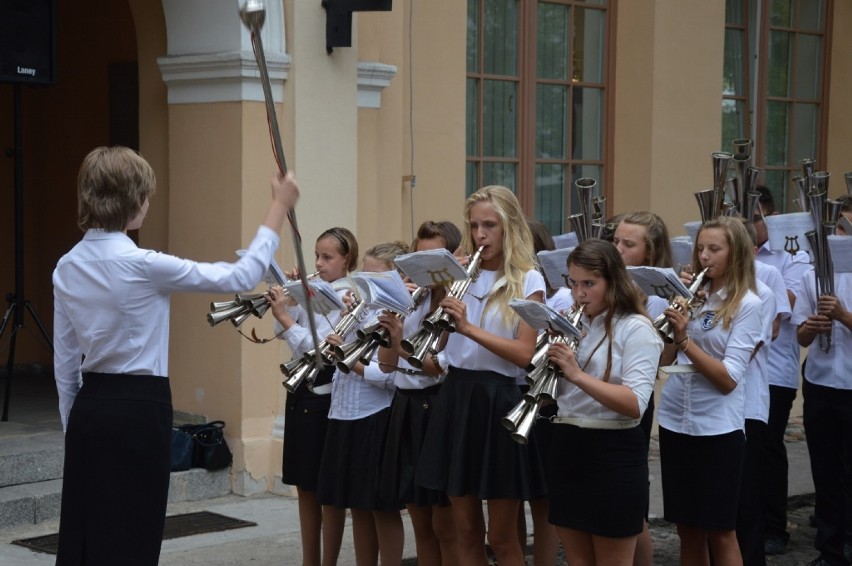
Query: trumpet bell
214, 318
521, 435
513, 418
429, 345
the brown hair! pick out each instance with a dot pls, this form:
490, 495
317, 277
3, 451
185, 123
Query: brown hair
346, 244
623, 297
443, 229
657, 242
112, 185
387, 252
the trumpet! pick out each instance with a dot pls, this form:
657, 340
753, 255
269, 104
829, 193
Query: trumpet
711, 202
589, 222
825, 214
312, 362
242, 307
370, 338
428, 338
686, 305
543, 379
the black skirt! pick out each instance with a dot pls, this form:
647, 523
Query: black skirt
467, 451
409, 417
598, 480
701, 478
351, 459
305, 426
116, 478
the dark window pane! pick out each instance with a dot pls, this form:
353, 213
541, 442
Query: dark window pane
587, 118
499, 174
551, 122
779, 64
552, 42
472, 117
805, 131
781, 13
733, 120
501, 37
777, 128
471, 179
811, 15
499, 119
588, 42
734, 12
472, 36
550, 196
776, 181
735, 64
808, 66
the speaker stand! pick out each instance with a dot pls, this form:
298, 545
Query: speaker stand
17, 304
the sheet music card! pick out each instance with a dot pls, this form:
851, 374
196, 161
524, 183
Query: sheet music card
554, 263
681, 250
659, 282
385, 290
324, 299
569, 240
787, 231
542, 317
840, 248
431, 267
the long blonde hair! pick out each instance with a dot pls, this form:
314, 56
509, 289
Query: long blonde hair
518, 255
739, 278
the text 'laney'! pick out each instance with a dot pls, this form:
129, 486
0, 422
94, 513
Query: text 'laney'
26, 71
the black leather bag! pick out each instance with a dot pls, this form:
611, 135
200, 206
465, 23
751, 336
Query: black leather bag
209, 449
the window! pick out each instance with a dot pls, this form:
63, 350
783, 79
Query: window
776, 49
537, 100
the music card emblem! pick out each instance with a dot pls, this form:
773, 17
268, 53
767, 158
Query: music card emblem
663, 291
441, 277
791, 245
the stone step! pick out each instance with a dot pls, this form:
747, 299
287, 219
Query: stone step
30, 456
35, 502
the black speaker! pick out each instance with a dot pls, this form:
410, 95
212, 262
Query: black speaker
28, 41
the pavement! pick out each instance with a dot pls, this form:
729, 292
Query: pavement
275, 540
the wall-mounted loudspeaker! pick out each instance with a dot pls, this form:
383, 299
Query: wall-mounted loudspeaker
28, 41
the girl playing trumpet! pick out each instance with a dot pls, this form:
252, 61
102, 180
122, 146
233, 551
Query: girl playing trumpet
598, 467
306, 409
701, 411
467, 452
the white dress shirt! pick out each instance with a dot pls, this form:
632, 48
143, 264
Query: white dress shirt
111, 304
410, 326
689, 403
636, 348
784, 357
462, 352
832, 368
757, 380
356, 397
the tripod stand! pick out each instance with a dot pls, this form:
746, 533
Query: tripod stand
17, 303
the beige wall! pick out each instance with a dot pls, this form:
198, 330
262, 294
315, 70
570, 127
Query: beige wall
438, 76
668, 102
840, 119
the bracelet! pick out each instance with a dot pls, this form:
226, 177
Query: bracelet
682, 340
685, 348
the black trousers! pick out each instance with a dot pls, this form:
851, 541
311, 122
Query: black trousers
828, 426
116, 480
750, 512
776, 467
